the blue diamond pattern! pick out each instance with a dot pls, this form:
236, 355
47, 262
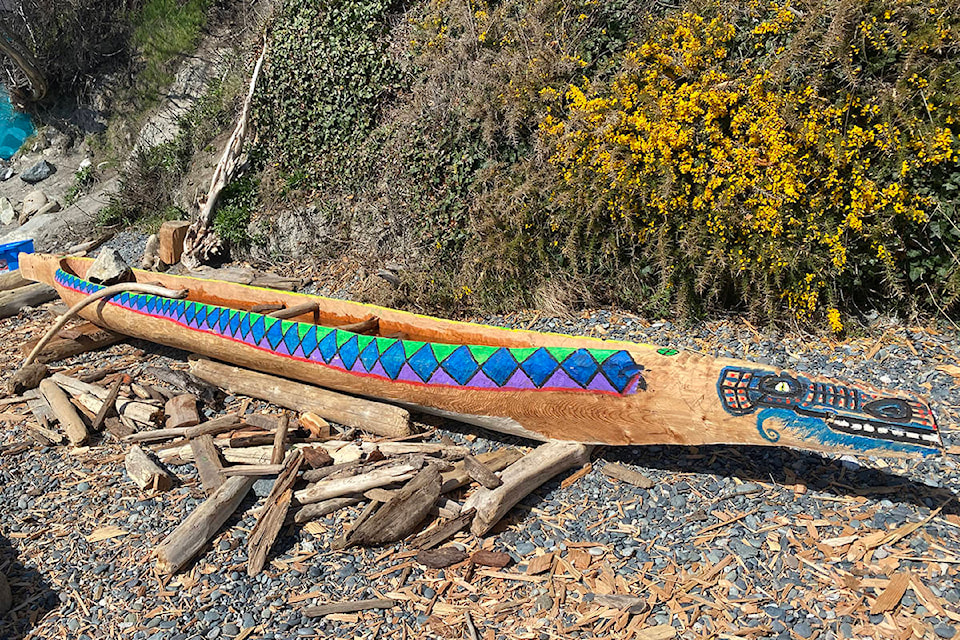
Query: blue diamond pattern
244, 324
328, 346
424, 363
500, 366
619, 369
235, 317
191, 312
460, 365
580, 366
392, 359
349, 352
274, 333
369, 355
309, 342
291, 338
213, 317
201, 314
539, 366
257, 329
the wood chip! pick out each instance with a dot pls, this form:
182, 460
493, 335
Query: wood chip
486, 558
441, 558
105, 533
625, 474
539, 564
890, 597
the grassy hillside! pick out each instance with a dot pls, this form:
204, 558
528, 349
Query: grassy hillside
794, 159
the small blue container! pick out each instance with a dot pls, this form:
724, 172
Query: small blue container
10, 254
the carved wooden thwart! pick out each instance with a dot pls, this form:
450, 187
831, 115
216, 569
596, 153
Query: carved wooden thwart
542, 386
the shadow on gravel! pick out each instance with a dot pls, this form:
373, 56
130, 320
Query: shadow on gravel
33, 597
788, 466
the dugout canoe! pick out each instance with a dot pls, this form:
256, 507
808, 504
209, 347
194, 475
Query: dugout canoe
538, 385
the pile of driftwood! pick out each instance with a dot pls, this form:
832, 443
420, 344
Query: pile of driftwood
324, 450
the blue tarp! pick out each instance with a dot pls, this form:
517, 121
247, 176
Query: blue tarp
15, 127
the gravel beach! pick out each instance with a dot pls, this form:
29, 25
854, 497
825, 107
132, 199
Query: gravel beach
728, 542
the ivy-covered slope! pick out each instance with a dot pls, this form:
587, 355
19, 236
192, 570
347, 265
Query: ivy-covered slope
795, 158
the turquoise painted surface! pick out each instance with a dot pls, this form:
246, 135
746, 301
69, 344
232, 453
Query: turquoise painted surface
15, 127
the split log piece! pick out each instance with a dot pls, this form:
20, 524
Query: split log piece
39, 407
375, 417
443, 532
252, 440
521, 478
348, 607
109, 406
316, 457
117, 428
144, 472
280, 440
496, 460
317, 510
137, 411
258, 470
180, 547
626, 474
181, 411
170, 236
397, 518
297, 310
262, 420
141, 413
480, 472
268, 525
66, 414
50, 435
208, 462
315, 425
27, 378
29, 296
220, 424
336, 487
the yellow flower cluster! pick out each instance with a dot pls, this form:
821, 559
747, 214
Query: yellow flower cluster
760, 175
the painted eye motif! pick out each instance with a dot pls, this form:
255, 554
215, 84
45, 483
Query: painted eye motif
780, 386
889, 409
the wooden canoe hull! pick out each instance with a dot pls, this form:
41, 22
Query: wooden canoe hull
543, 386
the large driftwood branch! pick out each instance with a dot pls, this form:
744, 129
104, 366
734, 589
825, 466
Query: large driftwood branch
375, 417
521, 478
200, 242
201, 525
93, 297
24, 61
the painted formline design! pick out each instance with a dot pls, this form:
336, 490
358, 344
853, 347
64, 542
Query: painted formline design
605, 371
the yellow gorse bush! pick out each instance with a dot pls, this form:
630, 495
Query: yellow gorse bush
730, 175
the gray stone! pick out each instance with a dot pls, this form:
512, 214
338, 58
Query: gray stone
6, 174
944, 631
40, 171
543, 602
109, 268
33, 202
7, 214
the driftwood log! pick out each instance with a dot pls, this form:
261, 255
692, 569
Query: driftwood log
29, 296
144, 472
375, 417
181, 411
268, 525
185, 542
217, 425
70, 421
12, 280
521, 478
399, 516
317, 510
207, 459
336, 487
